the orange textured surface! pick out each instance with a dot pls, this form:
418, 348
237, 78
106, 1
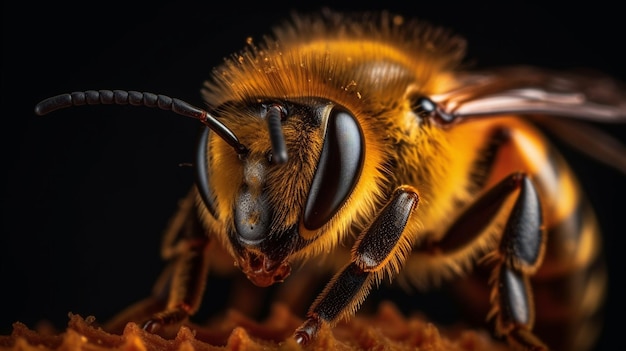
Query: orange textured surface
387, 330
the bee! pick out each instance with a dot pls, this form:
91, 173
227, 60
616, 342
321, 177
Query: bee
363, 139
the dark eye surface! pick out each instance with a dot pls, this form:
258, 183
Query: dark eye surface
338, 169
202, 171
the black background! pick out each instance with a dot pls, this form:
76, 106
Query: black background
87, 192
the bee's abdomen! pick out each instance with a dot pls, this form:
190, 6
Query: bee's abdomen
570, 286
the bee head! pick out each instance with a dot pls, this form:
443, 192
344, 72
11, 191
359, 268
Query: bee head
302, 161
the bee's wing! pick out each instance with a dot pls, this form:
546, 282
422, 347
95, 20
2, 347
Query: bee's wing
556, 101
530, 90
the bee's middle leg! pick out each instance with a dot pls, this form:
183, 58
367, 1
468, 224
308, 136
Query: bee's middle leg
519, 256
514, 251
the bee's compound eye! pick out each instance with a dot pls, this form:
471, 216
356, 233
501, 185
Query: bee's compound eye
338, 168
202, 171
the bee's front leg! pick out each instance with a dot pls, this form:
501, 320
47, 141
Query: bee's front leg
178, 291
381, 248
185, 287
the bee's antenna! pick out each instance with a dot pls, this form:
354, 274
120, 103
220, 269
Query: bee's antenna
136, 98
274, 115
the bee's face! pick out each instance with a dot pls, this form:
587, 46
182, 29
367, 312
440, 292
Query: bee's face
272, 210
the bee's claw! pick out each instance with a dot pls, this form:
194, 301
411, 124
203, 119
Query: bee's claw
307, 331
151, 326
300, 338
